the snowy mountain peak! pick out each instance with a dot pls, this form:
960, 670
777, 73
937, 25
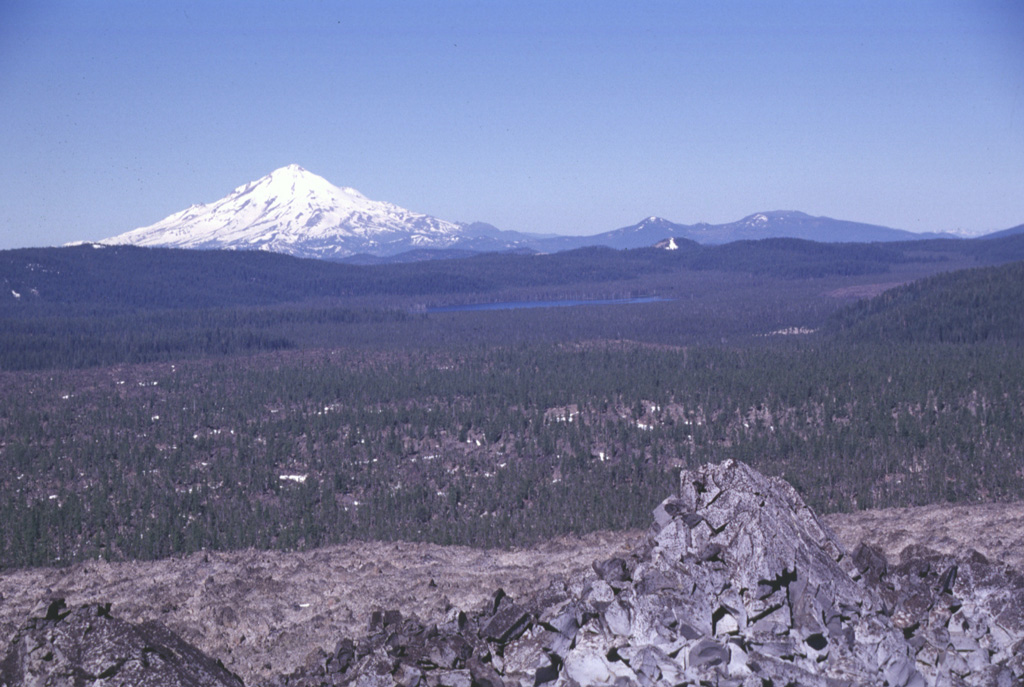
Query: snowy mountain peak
651, 222
293, 211
296, 182
764, 218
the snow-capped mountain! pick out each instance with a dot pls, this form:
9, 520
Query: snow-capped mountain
296, 212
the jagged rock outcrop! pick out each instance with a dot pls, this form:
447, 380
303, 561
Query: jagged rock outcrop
737, 583
86, 646
962, 616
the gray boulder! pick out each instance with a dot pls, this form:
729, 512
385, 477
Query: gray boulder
87, 646
736, 584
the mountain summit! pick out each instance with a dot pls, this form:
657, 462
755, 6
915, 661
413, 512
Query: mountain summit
294, 211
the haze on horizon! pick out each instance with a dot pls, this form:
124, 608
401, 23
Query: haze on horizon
566, 117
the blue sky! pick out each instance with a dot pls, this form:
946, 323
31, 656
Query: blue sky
566, 117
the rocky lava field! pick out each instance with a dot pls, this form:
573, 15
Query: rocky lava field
737, 582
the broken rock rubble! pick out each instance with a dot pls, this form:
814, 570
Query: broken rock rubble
60, 646
736, 583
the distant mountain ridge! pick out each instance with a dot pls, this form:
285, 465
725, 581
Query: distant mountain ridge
1012, 231
762, 225
298, 213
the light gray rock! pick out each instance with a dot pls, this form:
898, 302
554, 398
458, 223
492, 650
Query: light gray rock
736, 584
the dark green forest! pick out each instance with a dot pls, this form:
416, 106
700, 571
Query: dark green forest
964, 307
218, 400
84, 306
92, 280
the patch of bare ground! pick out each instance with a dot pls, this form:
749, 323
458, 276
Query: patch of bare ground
859, 291
265, 613
994, 529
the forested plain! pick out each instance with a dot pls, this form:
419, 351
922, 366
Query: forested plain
160, 402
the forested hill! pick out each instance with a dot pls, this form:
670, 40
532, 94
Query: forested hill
68, 280
118, 277
967, 306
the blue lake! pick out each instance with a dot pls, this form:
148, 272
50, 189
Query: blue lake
519, 305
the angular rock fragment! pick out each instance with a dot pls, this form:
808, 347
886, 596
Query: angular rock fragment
508, 623
737, 583
88, 646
